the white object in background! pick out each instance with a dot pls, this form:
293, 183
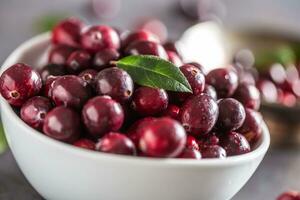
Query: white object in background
63, 172
204, 43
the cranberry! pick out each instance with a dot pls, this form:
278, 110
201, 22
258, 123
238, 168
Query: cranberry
103, 58
195, 78
97, 38
200, 67
235, 144
199, 114
174, 58
224, 80
34, 110
213, 151
287, 98
49, 85
78, 61
116, 143
210, 91
149, 101
146, 48
88, 76
208, 140
163, 137
171, 111
85, 143
114, 82
248, 95
140, 35
101, 115
289, 195
67, 32
277, 73
59, 54
62, 124
251, 128
191, 143
70, 91
18, 83
52, 70
156, 27
267, 90
190, 154
231, 114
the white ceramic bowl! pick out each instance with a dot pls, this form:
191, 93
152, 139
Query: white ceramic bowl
62, 172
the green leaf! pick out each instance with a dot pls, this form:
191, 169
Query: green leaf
154, 72
3, 143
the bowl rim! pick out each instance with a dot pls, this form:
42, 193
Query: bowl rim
8, 111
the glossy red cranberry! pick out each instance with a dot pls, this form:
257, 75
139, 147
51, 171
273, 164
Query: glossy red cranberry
208, 140
88, 76
85, 143
78, 61
154, 26
101, 115
59, 54
62, 124
190, 154
146, 48
174, 58
210, 91
48, 86
114, 82
199, 66
97, 38
172, 111
231, 114
170, 46
191, 143
251, 128
267, 90
287, 98
116, 143
149, 101
199, 114
140, 35
136, 128
213, 151
289, 195
248, 95
103, 58
164, 137
67, 32
70, 91
235, 144
18, 83
52, 70
195, 78
224, 80
34, 110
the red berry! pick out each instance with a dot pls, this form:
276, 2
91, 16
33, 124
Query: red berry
248, 95
114, 82
154, 26
174, 58
172, 111
200, 67
164, 137
97, 38
224, 80
70, 91
210, 91
78, 61
62, 124
235, 144
268, 91
103, 58
116, 143
34, 110
231, 114
67, 32
199, 114
48, 86
191, 143
170, 46
101, 115
289, 195
18, 83
85, 143
146, 48
190, 154
213, 151
140, 35
149, 101
52, 70
59, 54
88, 76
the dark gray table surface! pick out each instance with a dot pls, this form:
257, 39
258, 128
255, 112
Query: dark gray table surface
279, 170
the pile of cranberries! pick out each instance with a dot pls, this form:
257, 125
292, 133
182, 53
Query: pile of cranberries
80, 97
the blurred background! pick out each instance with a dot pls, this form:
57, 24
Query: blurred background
270, 29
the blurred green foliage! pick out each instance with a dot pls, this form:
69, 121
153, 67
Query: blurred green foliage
3, 143
47, 22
